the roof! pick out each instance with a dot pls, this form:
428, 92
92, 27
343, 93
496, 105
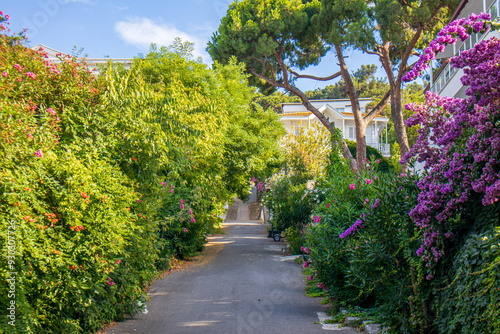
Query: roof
327, 100
52, 53
344, 114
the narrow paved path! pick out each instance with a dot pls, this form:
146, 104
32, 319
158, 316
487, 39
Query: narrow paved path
243, 288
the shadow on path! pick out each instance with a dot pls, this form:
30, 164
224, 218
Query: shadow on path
242, 288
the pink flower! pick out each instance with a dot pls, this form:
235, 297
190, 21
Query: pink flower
172, 190
305, 265
110, 282
31, 75
5, 74
320, 285
185, 229
7, 17
368, 181
328, 205
118, 262
192, 219
139, 200
316, 219
30, 136
39, 154
189, 211
18, 67
310, 278
352, 186
51, 111
1, 13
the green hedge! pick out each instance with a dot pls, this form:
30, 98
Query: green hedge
104, 180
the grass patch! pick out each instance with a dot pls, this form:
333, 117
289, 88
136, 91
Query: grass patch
218, 229
313, 291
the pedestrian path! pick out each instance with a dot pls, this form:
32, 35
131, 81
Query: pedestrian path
243, 289
242, 210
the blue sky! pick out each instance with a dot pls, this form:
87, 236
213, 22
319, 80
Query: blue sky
122, 29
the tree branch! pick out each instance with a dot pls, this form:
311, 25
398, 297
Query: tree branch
266, 79
371, 52
305, 101
433, 16
378, 108
405, 3
413, 42
306, 76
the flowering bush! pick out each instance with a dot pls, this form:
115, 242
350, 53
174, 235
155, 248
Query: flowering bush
101, 204
459, 142
289, 202
363, 249
461, 28
76, 230
457, 207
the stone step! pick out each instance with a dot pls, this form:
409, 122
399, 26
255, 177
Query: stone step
371, 328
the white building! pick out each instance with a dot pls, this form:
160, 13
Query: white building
446, 82
92, 63
340, 114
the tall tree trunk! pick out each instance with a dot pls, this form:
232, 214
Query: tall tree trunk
356, 110
399, 123
305, 101
396, 108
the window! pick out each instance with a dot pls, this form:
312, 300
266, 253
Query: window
351, 134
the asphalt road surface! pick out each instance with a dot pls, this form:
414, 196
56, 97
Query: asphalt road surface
242, 286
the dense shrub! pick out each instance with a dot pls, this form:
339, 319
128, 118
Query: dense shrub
80, 246
289, 202
372, 154
424, 251
457, 207
104, 180
469, 300
363, 246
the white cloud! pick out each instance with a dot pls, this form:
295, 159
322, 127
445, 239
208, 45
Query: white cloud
141, 32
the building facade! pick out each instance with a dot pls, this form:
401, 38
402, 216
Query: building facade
340, 114
92, 63
446, 81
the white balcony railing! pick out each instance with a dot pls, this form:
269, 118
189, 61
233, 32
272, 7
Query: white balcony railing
449, 71
384, 149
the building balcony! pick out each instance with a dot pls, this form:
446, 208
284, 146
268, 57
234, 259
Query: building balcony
447, 79
384, 149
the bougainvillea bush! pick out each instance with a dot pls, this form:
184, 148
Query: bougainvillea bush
425, 251
459, 142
